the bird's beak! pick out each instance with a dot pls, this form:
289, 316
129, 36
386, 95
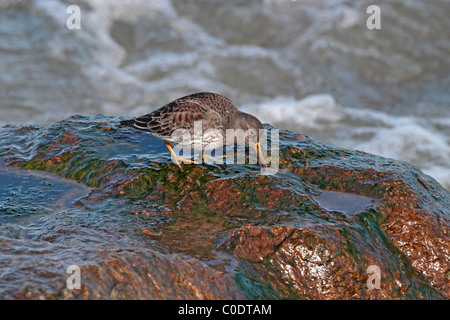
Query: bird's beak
261, 160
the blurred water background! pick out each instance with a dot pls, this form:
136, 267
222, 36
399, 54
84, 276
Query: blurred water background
309, 66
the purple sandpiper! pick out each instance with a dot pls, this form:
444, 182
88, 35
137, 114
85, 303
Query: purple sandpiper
212, 110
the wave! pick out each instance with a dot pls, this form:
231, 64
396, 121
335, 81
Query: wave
272, 57
419, 141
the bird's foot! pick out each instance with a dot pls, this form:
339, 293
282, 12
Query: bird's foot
177, 159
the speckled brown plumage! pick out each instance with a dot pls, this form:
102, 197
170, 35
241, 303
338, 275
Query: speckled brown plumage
214, 110
215, 113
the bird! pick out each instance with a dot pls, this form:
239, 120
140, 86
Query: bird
211, 114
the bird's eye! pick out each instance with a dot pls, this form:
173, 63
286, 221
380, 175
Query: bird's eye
252, 132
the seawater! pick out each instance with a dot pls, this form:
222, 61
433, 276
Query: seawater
309, 66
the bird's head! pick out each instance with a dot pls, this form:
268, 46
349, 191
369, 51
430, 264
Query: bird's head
252, 130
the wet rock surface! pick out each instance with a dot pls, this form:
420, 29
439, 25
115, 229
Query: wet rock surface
108, 199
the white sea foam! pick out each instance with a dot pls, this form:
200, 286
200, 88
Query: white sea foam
405, 138
384, 92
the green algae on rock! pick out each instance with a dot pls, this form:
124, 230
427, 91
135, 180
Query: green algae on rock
141, 228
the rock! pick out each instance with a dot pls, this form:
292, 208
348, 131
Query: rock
109, 274
331, 224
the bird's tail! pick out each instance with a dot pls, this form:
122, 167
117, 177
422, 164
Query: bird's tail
128, 123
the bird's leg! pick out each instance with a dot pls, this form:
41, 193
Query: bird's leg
262, 161
177, 159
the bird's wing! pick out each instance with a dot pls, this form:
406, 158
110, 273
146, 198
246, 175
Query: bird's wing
178, 114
